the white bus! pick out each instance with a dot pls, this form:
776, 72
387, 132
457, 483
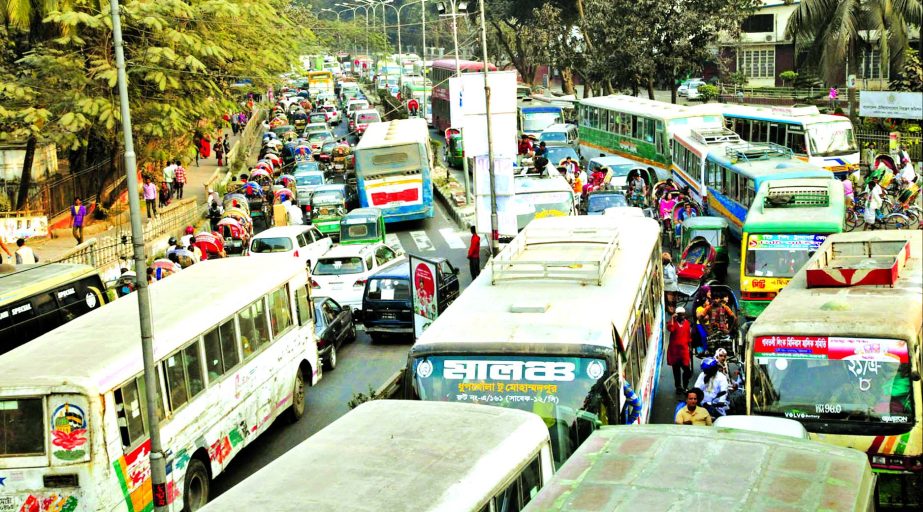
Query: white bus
398, 455
824, 140
570, 310
234, 349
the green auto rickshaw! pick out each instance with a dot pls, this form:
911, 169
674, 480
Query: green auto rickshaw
328, 206
454, 149
716, 232
362, 226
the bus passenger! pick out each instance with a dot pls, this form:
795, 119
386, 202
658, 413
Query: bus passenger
692, 414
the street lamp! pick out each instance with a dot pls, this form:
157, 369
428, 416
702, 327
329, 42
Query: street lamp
382, 3
400, 51
458, 8
334, 12
366, 9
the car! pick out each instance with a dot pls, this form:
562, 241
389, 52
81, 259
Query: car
325, 155
342, 271
361, 120
560, 135
556, 154
305, 183
356, 104
597, 202
334, 326
683, 88
317, 139
333, 114
315, 127
386, 302
305, 243
617, 165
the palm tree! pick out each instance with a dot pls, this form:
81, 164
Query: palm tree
835, 31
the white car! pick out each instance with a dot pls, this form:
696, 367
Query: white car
341, 273
692, 83
314, 127
333, 114
303, 242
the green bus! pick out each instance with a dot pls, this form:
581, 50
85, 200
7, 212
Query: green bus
638, 128
786, 223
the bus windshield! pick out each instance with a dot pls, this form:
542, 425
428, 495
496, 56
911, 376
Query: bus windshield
832, 139
564, 391
530, 205
830, 379
779, 255
538, 121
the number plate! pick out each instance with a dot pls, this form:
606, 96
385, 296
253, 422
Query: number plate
389, 316
336, 286
337, 166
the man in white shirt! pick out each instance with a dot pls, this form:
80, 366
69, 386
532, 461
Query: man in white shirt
169, 175
25, 255
908, 175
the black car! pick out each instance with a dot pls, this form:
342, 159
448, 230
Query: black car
386, 303
597, 202
334, 326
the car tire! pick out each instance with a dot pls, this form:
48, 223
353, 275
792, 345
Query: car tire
330, 363
296, 410
352, 333
195, 486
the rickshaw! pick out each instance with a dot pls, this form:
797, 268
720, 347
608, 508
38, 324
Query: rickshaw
286, 180
454, 148
343, 158
694, 266
716, 328
211, 245
280, 126
275, 161
683, 209
716, 231
283, 194
362, 226
265, 165
163, 268
328, 206
299, 118
242, 218
236, 237
662, 187
302, 153
636, 198
260, 205
262, 177
241, 202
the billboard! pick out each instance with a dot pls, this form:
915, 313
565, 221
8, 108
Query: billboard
900, 105
424, 293
468, 111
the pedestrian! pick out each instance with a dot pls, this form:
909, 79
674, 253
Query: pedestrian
679, 356
834, 97
5, 249
413, 105
164, 195
24, 254
179, 179
169, 174
219, 150
78, 213
474, 254
197, 142
226, 144
205, 146
214, 215
670, 282
227, 120
235, 124
150, 195
874, 202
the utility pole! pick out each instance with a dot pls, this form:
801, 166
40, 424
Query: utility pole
423, 54
494, 223
158, 464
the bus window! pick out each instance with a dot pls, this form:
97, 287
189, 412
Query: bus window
649, 130
660, 136
759, 131
795, 140
625, 125
130, 400
730, 180
280, 311
594, 117
253, 329
613, 122
750, 193
636, 124
777, 133
304, 309
603, 119
18, 437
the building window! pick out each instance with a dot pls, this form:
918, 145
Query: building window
758, 63
871, 65
758, 23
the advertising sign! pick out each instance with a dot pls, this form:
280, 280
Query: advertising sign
786, 242
468, 111
12, 228
900, 105
831, 348
424, 293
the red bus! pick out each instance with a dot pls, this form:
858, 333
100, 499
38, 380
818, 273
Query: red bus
441, 72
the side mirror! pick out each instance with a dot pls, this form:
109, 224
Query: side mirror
915, 376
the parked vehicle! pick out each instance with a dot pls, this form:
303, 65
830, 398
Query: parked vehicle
342, 271
561, 135
305, 243
692, 83
362, 226
334, 326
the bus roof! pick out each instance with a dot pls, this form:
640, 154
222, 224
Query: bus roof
846, 311
392, 133
828, 218
395, 455
538, 313
27, 280
102, 348
789, 115
529, 109
650, 467
651, 108
463, 65
776, 165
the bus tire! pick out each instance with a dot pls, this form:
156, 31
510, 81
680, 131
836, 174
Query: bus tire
195, 486
296, 411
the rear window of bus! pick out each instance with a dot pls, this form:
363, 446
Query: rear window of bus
18, 435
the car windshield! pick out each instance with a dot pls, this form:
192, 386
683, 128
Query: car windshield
538, 121
338, 266
273, 244
599, 202
832, 139
530, 205
553, 136
556, 154
832, 380
389, 289
18, 433
620, 171
328, 146
779, 255
562, 390
309, 179
317, 136
327, 197
369, 118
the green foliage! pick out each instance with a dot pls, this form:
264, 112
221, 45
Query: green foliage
911, 75
788, 77
739, 78
708, 92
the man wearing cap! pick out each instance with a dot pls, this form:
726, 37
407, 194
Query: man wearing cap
678, 355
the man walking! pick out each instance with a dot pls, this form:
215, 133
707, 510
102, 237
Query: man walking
169, 174
679, 356
474, 254
149, 191
78, 213
179, 179
25, 255
219, 150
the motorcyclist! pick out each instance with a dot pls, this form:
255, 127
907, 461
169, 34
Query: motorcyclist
715, 386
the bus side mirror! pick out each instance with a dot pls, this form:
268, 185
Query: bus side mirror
915, 376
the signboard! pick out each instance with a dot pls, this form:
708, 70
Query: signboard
503, 185
831, 348
424, 293
468, 111
785, 242
900, 105
13, 228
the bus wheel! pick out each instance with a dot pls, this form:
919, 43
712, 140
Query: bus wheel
195, 486
296, 411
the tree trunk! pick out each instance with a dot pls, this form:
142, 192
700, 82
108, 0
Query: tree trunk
567, 81
673, 85
25, 181
650, 88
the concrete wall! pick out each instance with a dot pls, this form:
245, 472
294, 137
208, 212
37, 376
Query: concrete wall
12, 157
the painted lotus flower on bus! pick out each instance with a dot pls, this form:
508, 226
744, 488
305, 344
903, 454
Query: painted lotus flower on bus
68, 432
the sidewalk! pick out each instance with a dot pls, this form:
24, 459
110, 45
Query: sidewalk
50, 249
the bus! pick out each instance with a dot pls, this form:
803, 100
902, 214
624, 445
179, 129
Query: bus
639, 128
565, 316
786, 223
394, 162
839, 350
234, 349
462, 458
440, 73
725, 177
35, 299
320, 82
533, 119
823, 140
674, 467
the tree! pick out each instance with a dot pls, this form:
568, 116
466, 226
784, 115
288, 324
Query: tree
832, 31
911, 75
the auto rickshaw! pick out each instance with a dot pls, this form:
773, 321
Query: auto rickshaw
328, 206
454, 148
716, 231
362, 226
236, 237
343, 158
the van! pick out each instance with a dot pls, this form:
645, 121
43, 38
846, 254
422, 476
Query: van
386, 303
561, 135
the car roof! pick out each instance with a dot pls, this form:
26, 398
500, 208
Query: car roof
393, 272
279, 231
310, 172
613, 160
366, 111
560, 127
331, 187
338, 251
605, 193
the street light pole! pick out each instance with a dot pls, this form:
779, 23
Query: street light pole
454, 15
423, 67
157, 461
494, 220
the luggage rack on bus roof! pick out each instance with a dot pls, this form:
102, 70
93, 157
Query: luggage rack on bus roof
801, 195
568, 253
714, 135
845, 263
757, 151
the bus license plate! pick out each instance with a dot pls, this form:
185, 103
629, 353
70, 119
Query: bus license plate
389, 316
